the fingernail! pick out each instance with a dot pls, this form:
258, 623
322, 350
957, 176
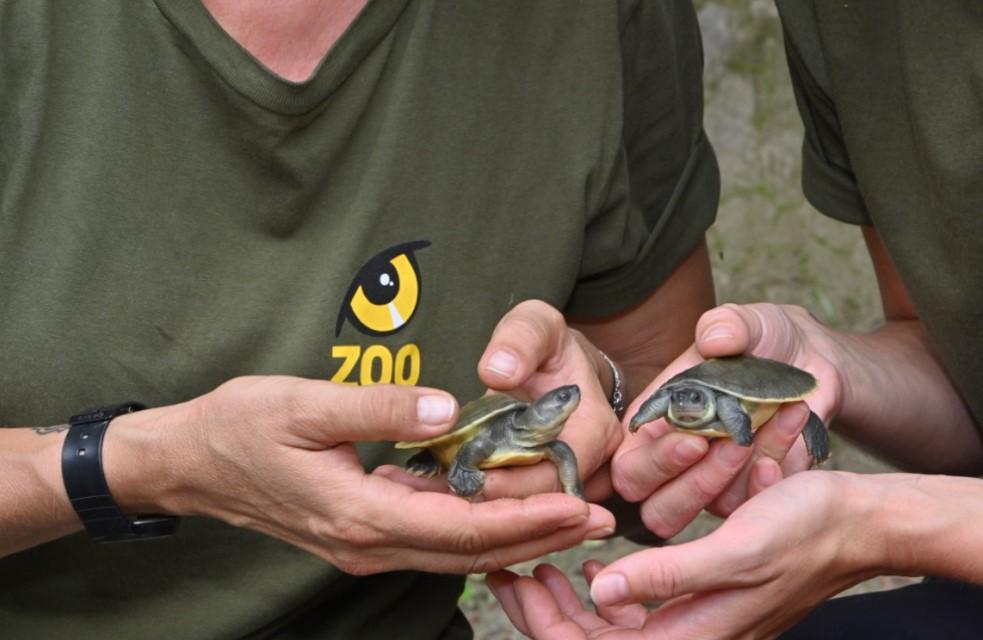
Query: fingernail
718, 332
597, 534
790, 420
503, 363
609, 589
732, 454
688, 451
434, 409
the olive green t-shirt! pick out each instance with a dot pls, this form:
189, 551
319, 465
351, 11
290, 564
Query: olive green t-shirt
173, 215
891, 94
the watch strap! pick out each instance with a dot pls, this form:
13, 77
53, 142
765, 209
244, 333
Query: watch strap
85, 481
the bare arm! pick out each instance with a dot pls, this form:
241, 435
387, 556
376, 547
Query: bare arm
896, 396
778, 556
34, 507
647, 337
232, 455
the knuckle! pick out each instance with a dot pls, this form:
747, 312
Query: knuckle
354, 534
469, 541
628, 481
378, 405
703, 489
528, 331
268, 398
290, 401
539, 309
233, 391
776, 331
552, 318
486, 562
726, 503
362, 537
537, 322
664, 580
354, 563
798, 312
658, 519
660, 462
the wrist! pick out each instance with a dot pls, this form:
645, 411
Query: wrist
44, 462
141, 464
849, 371
931, 522
862, 507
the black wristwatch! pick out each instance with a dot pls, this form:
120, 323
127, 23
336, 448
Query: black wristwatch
85, 482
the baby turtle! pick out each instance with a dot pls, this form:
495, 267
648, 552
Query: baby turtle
732, 397
499, 431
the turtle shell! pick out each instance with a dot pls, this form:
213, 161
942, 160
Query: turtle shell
750, 378
473, 417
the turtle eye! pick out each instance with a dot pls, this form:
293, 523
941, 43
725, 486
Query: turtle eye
563, 396
385, 293
696, 397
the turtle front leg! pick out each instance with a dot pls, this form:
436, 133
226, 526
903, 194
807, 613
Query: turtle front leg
464, 477
657, 406
566, 465
817, 438
735, 419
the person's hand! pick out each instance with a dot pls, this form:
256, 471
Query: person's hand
671, 473
274, 454
532, 351
779, 555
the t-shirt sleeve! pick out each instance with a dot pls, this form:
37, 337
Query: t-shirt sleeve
664, 191
828, 181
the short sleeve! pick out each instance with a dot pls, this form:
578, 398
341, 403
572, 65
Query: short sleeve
828, 181
664, 193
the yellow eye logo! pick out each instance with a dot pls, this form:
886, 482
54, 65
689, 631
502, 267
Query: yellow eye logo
385, 293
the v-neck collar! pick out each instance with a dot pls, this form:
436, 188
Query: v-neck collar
251, 78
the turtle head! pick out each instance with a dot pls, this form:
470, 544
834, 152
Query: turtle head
692, 406
544, 419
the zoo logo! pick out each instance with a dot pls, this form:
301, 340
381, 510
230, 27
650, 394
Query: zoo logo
381, 300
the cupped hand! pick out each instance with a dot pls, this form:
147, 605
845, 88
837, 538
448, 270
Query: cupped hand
779, 555
275, 454
672, 474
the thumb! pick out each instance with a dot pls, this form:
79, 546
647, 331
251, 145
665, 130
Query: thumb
526, 337
666, 572
762, 329
326, 413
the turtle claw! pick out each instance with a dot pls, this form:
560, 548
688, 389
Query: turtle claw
465, 482
422, 472
423, 465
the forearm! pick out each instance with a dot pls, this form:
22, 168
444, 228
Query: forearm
645, 339
898, 400
929, 524
34, 506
